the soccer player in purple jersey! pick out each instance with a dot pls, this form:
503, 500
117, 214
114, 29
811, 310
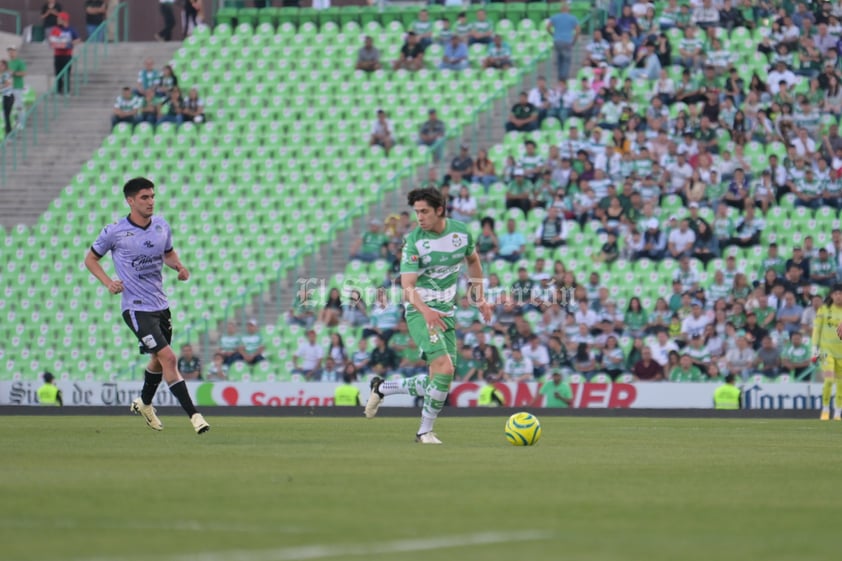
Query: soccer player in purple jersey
140, 244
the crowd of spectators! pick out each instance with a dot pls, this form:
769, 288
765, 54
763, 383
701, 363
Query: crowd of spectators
454, 41
157, 98
679, 172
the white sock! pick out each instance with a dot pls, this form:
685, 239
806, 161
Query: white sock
413, 386
825, 409
426, 424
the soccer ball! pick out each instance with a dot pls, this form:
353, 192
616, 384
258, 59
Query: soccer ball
523, 429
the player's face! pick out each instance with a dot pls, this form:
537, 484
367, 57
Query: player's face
836, 296
426, 215
143, 203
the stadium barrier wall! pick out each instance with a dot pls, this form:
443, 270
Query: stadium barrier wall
662, 395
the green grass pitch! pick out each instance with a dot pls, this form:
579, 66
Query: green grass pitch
263, 489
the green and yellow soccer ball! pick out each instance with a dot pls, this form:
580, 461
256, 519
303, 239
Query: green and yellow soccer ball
523, 429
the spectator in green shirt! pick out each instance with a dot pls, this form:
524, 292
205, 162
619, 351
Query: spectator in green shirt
17, 67
251, 346
686, 371
371, 245
229, 343
556, 393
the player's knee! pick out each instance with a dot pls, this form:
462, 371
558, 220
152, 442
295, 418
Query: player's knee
442, 365
166, 357
154, 364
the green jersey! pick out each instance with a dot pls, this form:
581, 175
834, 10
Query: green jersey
373, 242
252, 342
437, 260
699, 354
692, 374
422, 27
549, 389
715, 191
719, 291
230, 343
776, 264
17, 65
482, 26
401, 343
797, 354
465, 317
821, 268
763, 313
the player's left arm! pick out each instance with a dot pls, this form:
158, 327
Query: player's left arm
475, 289
172, 261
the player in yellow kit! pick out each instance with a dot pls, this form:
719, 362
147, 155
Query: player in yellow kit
827, 347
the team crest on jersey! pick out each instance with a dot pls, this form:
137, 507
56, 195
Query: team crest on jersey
425, 244
457, 240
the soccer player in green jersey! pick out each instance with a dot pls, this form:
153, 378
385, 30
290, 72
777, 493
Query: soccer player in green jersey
430, 265
827, 348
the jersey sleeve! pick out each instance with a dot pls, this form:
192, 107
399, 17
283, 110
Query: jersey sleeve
168, 244
817, 327
410, 258
104, 242
472, 244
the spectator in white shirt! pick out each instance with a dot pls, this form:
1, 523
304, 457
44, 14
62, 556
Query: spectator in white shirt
537, 352
780, 74
706, 15
680, 242
464, 205
739, 360
679, 172
585, 316
598, 49
382, 132
518, 368
803, 144
545, 99
662, 348
695, 323
307, 359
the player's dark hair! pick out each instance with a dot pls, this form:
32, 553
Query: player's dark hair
430, 195
136, 185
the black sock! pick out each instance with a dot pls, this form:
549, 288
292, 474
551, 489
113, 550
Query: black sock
179, 390
150, 385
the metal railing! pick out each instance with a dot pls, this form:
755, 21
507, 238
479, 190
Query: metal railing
303, 263
42, 115
14, 14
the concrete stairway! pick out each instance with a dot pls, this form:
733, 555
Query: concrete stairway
78, 130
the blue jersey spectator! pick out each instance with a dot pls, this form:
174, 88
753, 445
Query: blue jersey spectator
564, 28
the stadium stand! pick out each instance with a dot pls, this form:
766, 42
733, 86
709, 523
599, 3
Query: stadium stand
739, 93
281, 158
726, 303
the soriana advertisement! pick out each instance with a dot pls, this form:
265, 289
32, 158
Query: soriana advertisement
653, 395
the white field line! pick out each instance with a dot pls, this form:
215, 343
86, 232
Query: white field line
303, 553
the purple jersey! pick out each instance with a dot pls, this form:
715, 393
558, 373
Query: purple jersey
138, 255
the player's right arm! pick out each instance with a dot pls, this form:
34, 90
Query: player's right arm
92, 263
102, 245
432, 317
817, 333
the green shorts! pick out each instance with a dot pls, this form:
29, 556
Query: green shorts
438, 344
